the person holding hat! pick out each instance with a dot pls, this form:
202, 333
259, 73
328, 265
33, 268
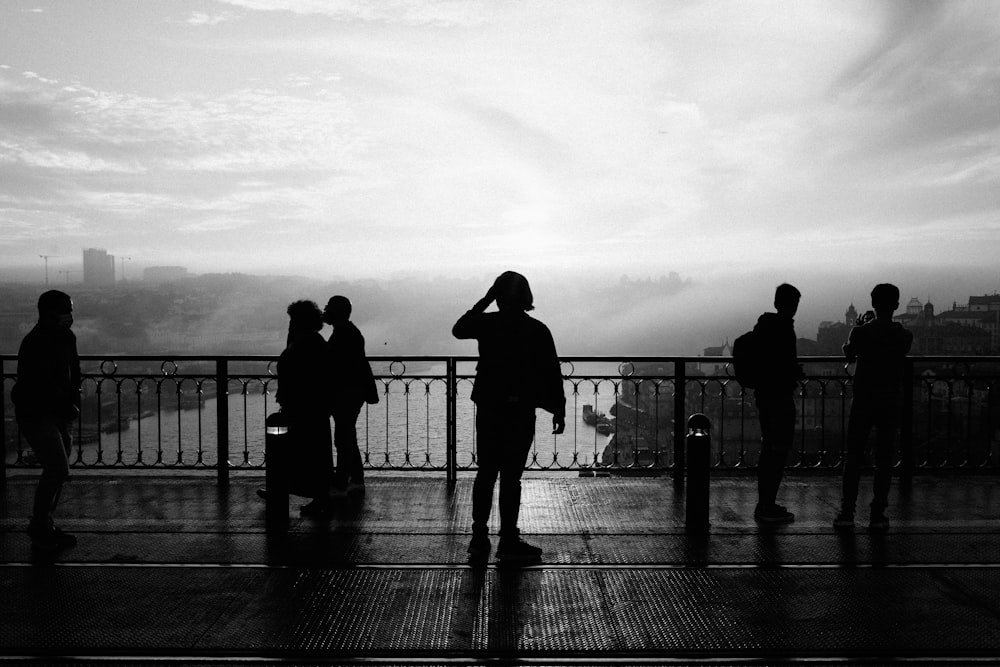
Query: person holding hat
518, 371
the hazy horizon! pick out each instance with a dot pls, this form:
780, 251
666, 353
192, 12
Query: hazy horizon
590, 313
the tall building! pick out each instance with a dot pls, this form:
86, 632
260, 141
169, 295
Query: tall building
98, 267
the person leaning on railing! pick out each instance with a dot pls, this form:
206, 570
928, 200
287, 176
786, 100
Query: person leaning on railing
46, 401
518, 371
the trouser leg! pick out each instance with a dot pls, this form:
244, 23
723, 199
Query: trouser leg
488, 468
504, 437
858, 428
885, 458
520, 436
51, 443
777, 427
345, 439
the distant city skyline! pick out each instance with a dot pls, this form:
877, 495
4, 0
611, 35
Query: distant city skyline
593, 314
463, 138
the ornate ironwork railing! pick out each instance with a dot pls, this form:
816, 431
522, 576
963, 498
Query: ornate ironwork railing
144, 412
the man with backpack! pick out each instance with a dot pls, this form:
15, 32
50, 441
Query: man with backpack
880, 346
774, 388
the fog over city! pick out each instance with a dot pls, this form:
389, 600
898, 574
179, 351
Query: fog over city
707, 151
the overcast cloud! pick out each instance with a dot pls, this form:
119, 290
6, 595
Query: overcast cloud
364, 138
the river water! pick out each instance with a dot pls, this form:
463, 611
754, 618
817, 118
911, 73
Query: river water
407, 428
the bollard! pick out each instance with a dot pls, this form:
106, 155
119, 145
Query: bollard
699, 455
276, 473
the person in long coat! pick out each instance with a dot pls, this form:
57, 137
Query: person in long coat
304, 396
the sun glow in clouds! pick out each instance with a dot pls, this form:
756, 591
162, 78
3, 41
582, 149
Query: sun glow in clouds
345, 137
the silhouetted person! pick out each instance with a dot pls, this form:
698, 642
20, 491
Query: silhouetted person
879, 346
46, 401
518, 371
775, 401
353, 386
304, 396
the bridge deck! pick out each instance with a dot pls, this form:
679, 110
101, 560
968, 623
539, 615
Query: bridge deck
173, 567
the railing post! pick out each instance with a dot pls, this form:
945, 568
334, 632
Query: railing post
451, 417
3, 428
222, 418
906, 423
680, 406
699, 449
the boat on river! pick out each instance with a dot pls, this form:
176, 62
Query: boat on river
598, 420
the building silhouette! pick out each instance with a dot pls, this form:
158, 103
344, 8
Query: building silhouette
98, 267
831, 336
972, 329
980, 314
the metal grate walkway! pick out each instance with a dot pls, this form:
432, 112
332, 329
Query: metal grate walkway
172, 569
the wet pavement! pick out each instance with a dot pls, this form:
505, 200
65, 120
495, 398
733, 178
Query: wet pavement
173, 567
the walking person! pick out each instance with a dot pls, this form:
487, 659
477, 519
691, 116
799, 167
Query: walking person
775, 400
879, 346
304, 396
518, 371
353, 386
46, 401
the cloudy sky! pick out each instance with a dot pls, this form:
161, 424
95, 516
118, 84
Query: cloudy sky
351, 138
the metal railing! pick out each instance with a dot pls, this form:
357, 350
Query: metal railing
623, 416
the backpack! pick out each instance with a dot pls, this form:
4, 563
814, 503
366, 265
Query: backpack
747, 365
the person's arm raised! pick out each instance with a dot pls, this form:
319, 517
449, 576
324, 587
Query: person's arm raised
466, 325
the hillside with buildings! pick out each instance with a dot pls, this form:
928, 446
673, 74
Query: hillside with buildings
963, 330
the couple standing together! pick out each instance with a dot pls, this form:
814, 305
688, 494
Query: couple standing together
518, 371
318, 379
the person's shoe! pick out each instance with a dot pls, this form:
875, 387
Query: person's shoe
42, 537
262, 494
844, 521
479, 547
878, 523
516, 550
46, 537
64, 539
774, 514
338, 490
318, 509
356, 488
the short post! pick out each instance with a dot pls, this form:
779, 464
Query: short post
276, 473
699, 456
